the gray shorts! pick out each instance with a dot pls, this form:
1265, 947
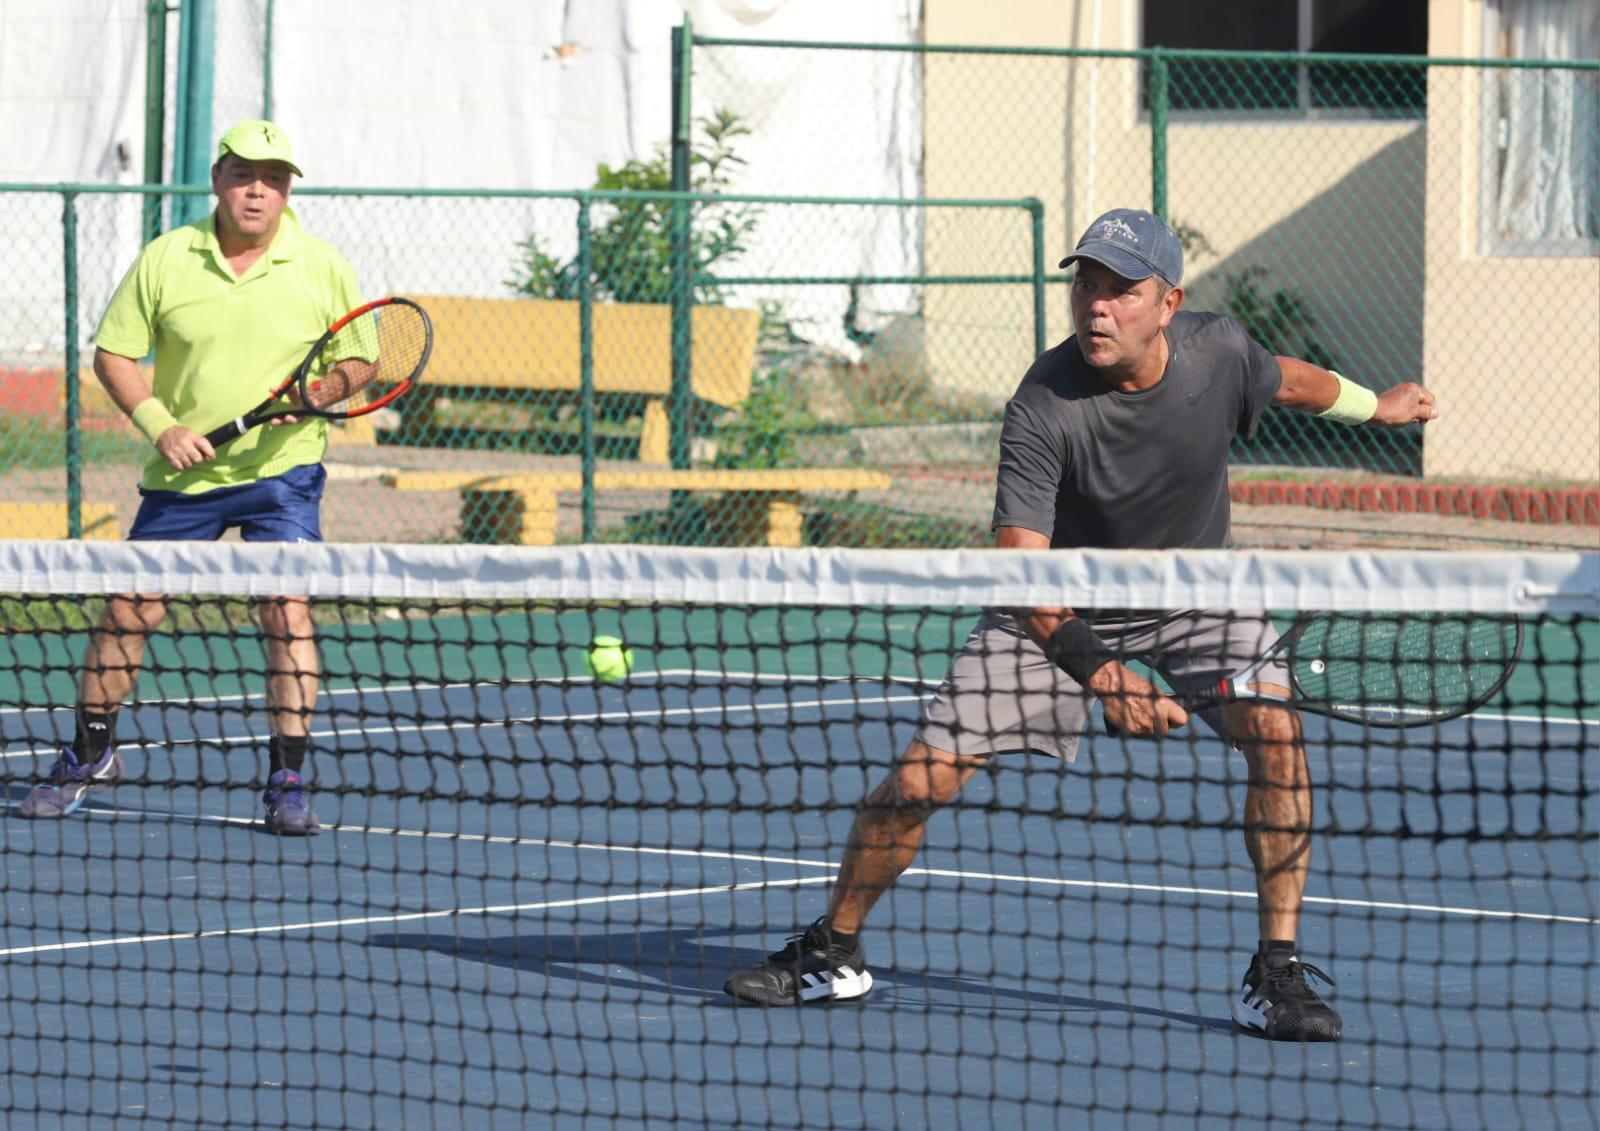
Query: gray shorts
1004, 695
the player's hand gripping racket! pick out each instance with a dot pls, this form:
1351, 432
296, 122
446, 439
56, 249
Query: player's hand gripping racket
366, 359
1383, 669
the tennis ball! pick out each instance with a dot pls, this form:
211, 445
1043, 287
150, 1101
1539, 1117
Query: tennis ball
608, 661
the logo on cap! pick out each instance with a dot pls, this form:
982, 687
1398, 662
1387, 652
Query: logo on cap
1115, 227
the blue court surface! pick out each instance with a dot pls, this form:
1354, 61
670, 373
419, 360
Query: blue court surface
530, 889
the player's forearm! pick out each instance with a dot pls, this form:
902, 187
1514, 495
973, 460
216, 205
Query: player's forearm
122, 379
131, 393
1306, 387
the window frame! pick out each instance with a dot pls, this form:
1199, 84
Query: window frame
1301, 113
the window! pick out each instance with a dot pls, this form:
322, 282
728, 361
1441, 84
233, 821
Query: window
1371, 27
1541, 130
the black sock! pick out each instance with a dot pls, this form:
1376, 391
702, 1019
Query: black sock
1279, 950
93, 735
287, 752
841, 939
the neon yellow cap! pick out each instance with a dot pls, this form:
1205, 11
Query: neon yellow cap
258, 140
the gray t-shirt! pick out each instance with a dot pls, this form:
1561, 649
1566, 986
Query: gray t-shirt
1091, 466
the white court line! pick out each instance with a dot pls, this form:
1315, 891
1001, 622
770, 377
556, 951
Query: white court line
506, 909
640, 716
399, 917
553, 681
366, 728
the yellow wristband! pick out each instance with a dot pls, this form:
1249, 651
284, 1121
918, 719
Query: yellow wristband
151, 417
1355, 404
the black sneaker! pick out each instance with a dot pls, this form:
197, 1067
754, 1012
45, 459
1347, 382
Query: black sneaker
1276, 1002
811, 968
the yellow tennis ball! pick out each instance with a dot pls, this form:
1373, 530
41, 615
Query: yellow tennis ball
608, 661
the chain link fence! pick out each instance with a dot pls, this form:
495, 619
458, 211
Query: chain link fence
1393, 218
583, 384
1432, 220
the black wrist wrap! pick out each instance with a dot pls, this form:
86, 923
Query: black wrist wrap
1076, 650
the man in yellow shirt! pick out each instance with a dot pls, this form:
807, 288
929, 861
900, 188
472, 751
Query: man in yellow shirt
230, 304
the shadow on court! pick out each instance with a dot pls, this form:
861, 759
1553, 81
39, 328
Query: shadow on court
683, 963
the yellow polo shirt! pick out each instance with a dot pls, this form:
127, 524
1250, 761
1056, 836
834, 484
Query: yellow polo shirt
224, 341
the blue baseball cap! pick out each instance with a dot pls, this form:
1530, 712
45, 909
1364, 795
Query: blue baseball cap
1134, 243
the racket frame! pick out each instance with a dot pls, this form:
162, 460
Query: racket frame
270, 409
1236, 688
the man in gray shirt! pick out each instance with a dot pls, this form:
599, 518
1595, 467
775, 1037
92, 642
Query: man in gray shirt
1116, 438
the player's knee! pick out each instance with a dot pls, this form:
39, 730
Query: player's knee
285, 618
126, 614
927, 778
1261, 725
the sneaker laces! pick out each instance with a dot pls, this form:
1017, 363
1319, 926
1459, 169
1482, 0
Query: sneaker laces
1292, 975
67, 768
796, 945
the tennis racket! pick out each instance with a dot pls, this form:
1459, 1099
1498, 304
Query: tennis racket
365, 361
1383, 669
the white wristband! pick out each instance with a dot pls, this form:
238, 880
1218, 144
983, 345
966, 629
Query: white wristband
1355, 404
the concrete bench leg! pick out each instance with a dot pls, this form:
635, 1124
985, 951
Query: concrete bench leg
655, 439
500, 517
785, 523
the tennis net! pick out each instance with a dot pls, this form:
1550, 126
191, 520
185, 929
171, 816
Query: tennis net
531, 885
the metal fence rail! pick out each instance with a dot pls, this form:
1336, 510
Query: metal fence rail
1357, 210
567, 322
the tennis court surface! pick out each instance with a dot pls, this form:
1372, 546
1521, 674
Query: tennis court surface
530, 887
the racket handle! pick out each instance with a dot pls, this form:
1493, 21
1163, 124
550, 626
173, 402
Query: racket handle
1191, 701
232, 430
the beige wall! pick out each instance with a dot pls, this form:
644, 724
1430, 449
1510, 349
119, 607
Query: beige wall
1069, 133
1370, 221
1512, 345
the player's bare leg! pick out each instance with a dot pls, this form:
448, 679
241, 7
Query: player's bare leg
889, 826
293, 672
1275, 998
89, 764
827, 962
1277, 810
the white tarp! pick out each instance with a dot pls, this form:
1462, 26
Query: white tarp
500, 94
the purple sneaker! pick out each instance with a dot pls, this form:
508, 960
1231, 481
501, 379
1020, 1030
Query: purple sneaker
289, 806
69, 785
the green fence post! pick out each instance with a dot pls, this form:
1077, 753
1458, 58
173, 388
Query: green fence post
266, 61
69, 244
1036, 216
1160, 96
680, 291
586, 361
155, 111
197, 30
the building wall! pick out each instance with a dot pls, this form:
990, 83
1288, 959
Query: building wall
1371, 222
1512, 345
1286, 196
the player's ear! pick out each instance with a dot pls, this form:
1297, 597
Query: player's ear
1170, 302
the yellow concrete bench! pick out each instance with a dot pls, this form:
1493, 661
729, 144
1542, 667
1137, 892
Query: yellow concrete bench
770, 497
511, 346
49, 520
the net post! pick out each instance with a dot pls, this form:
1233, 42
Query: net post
74, 453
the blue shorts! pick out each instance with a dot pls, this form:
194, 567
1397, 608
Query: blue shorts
282, 508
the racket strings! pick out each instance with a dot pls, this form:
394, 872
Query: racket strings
368, 357
1390, 663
